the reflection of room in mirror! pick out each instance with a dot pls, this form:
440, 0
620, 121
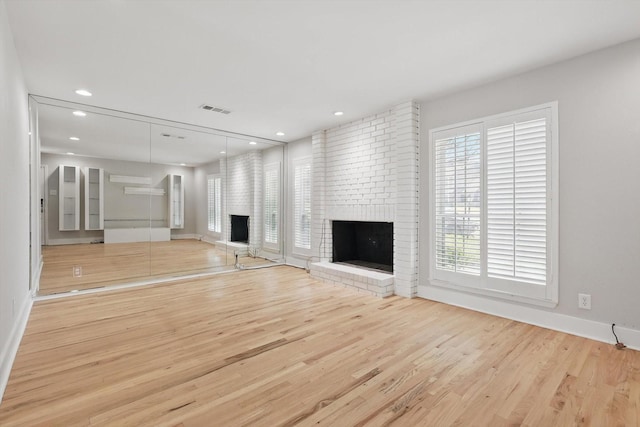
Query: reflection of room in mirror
145, 199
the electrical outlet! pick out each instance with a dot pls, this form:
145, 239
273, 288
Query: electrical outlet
77, 271
584, 301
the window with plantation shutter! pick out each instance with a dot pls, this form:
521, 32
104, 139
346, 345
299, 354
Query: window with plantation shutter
271, 205
214, 203
517, 199
302, 205
457, 233
494, 210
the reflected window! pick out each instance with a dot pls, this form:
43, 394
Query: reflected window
214, 201
271, 204
302, 205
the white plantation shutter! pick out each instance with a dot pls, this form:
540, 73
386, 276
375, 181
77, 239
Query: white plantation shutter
214, 202
494, 215
271, 204
457, 200
517, 199
302, 206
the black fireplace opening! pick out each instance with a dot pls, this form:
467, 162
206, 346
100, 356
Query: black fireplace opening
239, 228
365, 244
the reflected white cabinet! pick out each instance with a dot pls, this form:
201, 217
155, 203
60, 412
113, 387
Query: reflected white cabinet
176, 201
69, 198
93, 198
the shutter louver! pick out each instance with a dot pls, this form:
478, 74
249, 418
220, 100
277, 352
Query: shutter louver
214, 201
302, 206
517, 201
271, 208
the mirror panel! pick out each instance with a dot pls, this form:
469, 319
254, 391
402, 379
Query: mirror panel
155, 199
89, 162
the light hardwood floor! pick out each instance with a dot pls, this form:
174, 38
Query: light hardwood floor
274, 347
114, 263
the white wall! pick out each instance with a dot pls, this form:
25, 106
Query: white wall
15, 299
599, 138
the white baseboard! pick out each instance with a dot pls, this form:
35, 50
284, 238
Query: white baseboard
297, 262
591, 329
76, 241
35, 279
208, 239
8, 353
185, 236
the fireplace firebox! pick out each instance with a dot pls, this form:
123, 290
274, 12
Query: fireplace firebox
365, 244
239, 228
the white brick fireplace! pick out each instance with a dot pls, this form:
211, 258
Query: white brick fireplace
367, 170
242, 175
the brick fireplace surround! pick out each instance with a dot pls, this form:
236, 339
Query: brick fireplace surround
367, 170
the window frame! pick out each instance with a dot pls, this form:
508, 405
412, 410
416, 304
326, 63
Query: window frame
301, 162
272, 246
209, 178
542, 295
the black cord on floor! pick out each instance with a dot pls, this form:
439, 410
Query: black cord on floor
619, 345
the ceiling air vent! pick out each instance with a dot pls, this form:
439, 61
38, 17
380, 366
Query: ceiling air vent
214, 109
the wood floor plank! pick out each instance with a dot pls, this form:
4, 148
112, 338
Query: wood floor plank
274, 347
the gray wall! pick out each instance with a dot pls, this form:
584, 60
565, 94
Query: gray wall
14, 198
599, 138
118, 207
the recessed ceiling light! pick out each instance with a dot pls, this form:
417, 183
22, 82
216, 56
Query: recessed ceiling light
183, 164
79, 113
70, 153
74, 138
280, 133
252, 143
223, 152
83, 92
338, 113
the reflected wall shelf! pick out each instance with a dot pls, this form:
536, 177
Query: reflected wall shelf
143, 180
176, 201
93, 198
68, 198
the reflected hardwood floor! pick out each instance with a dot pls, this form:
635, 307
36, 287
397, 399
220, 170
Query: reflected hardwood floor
274, 347
108, 264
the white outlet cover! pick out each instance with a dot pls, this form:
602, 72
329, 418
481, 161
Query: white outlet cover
584, 301
53, 192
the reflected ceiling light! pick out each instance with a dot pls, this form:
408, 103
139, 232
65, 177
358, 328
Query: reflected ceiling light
252, 143
83, 92
79, 113
223, 152
183, 164
280, 133
70, 153
338, 113
74, 138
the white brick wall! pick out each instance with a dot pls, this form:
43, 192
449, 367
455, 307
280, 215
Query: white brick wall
367, 170
243, 175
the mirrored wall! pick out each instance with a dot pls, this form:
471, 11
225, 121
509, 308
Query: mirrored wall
131, 199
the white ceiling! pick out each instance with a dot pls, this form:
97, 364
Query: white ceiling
287, 65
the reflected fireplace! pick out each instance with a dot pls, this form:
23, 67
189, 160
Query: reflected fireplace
363, 243
239, 228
